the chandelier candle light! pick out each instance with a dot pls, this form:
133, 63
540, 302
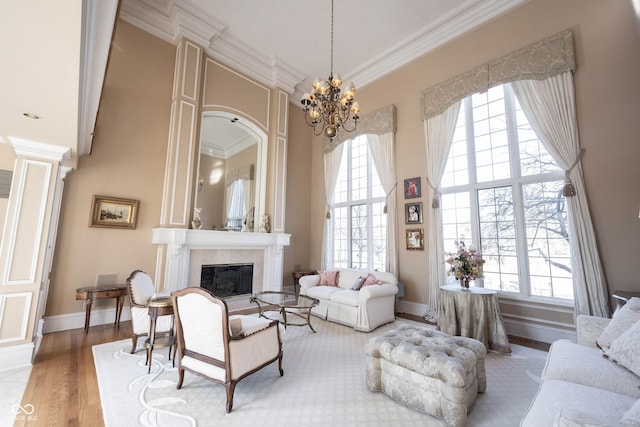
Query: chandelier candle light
466, 264
325, 108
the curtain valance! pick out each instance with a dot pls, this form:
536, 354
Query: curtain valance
549, 57
245, 173
379, 122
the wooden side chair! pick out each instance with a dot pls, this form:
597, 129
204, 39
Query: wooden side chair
220, 348
141, 288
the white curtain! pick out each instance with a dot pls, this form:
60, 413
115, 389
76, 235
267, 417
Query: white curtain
550, 107
382, 151
438, 132
331, 168
236, 207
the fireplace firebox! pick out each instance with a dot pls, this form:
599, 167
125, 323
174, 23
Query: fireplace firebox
227, 280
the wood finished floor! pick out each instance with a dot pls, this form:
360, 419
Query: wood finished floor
63, 386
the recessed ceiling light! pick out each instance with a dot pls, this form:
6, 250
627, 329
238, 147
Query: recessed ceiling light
32, 116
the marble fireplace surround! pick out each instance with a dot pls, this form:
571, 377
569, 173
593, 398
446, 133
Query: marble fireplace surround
188, 250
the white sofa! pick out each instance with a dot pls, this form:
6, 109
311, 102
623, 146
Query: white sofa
365, 309
580, 386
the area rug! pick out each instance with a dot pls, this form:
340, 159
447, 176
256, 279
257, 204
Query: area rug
323, 384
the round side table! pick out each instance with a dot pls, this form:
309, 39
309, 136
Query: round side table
162, 306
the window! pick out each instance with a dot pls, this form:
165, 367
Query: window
358, 223
502, 190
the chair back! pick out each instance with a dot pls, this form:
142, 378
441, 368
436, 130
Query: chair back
141, 288
202, 323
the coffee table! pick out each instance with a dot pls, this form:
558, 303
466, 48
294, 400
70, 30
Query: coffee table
286, 304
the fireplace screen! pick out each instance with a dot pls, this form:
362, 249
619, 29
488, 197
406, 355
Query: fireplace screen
226, 280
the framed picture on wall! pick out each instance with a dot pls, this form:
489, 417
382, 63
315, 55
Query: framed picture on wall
412, 188
113, 212
415, 239
413, 213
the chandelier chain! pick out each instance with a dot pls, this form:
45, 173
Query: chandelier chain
327, 108
331, 38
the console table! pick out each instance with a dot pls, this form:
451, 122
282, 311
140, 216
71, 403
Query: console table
92, 293
298, 274
473, 313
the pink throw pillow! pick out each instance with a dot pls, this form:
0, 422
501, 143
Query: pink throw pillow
371, 280
329, 278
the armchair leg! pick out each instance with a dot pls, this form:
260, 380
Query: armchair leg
134, 341
230, 389
180, 377
280, 364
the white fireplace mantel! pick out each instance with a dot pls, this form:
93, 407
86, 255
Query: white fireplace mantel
181, 242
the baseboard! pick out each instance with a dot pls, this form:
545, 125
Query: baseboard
413, 308
537, 332
65, 322
546, 333
16, 356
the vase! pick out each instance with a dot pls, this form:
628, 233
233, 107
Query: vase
464, 283
196, 224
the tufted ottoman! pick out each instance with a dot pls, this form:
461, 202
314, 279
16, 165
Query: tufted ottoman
427, 370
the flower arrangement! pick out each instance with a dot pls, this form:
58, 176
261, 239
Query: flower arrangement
466, 264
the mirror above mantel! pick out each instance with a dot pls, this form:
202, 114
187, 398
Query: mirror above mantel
230, 188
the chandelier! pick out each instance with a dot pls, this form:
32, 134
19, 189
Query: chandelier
326, 109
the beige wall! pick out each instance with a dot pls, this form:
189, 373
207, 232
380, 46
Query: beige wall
7, 160
607, 82
128, 160
298, 206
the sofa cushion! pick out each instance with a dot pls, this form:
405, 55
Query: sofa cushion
574, 418
632, 416
584, 365
556, 395
625, 350
348, 277
622, 320
345, 297
322, 292
329, 278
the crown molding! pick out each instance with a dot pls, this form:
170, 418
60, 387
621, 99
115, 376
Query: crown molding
171, 20
39, 150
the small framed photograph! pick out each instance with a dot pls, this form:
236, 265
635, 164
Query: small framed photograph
412, 188
113, 212
413, 213
415, 239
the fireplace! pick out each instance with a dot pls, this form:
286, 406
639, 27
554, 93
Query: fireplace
227, 280
185, 251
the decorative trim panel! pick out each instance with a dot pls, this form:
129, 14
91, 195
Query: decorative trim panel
12, 313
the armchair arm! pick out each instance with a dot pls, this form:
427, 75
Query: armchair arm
589, 328
307, 282
248, 325
376, 291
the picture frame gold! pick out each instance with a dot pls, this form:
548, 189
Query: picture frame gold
113, 212
415, 239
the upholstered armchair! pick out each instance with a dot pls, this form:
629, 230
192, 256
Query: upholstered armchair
219, 347
141, 288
